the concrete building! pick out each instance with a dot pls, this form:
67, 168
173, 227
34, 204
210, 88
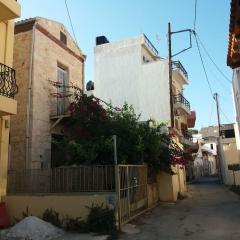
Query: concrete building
9, 10
205, 160
227, 148
233, 61
131, 71
47, 61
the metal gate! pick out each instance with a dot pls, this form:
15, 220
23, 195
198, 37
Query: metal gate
131, 191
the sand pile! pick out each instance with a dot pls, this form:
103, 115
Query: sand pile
33, 228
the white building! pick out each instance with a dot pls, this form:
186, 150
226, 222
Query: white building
131, 71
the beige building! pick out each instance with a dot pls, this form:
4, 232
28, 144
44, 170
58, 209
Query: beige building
47, 61
9, 10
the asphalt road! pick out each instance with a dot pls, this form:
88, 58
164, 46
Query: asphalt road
211, 212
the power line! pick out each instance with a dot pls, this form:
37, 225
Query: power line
225, 115
204, 69
195, 16
69, 16
218, 68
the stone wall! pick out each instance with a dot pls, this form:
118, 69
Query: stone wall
48, 54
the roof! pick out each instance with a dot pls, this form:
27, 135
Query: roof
27, 24
233, 55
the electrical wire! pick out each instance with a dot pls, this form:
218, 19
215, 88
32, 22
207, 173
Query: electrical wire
204, 69
225, 115
214, 63
69, 16
195, 16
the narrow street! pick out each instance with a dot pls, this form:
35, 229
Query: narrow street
210, 212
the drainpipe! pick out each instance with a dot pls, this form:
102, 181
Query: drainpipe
29, 103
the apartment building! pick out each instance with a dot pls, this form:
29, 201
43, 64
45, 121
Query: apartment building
132, 71
9, 10
48, 61
233, 61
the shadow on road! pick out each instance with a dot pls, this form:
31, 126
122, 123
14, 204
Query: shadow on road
207, 180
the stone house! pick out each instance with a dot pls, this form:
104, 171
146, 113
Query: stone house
48, 61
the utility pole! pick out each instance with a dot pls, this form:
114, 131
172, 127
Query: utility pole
170, 63
170, 73
215, 96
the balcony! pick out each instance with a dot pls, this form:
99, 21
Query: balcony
9, 9
179, 72
150, 45
8, 89
186, 138
180, 102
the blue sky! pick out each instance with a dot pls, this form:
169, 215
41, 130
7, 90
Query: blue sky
122, 19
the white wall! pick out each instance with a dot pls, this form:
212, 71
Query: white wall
121, 76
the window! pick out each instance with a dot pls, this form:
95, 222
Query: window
62, 79
63, 38
211, 146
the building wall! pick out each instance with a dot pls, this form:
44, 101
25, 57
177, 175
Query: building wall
8, 11
47, 55
229, 156
120, 75
72, 205
21, 60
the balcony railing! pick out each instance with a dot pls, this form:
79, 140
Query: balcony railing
150, 45
187, 135
8, 85
178, 65
179, 98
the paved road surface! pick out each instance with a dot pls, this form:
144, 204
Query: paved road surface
211, 212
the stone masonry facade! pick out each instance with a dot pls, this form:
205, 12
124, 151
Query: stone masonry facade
38, 52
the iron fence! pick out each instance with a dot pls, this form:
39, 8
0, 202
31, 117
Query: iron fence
179, 98
132, 191
8, 85
97, 178
150, 45
178, 65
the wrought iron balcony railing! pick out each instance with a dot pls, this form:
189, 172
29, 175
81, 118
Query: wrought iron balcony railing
187, 135
150, 45
179, 98
178, 65
8, 85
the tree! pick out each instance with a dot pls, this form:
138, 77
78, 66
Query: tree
92, 127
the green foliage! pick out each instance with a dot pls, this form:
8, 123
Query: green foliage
101, 220
51, 216
24, 215
92, 127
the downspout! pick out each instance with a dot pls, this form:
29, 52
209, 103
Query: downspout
83, 77
29, 103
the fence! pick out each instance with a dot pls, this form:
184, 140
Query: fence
63, 180
130, 189
132, 192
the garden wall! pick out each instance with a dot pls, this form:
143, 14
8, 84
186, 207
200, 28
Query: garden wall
73, 205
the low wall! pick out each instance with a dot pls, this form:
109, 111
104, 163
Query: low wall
66, 205
153, 195
170, 185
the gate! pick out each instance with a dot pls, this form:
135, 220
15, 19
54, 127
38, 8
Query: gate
131, 191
